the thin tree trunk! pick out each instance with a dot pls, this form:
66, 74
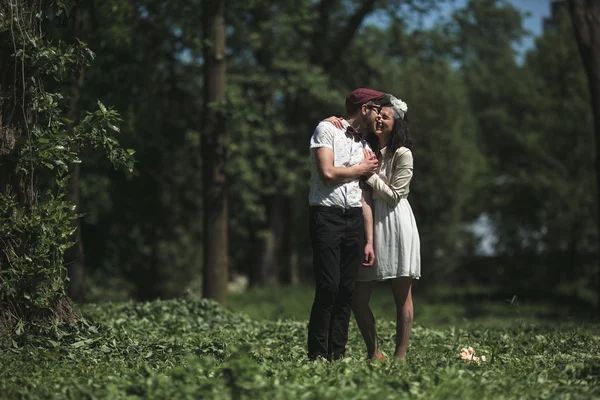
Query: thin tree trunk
266, 248
254, 254
347, 34
585, 15
290, 275
270, 260
216, 262
74, 256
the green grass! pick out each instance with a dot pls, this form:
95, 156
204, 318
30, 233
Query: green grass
437, 310
182, 349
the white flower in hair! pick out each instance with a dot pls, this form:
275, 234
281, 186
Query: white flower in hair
400, 107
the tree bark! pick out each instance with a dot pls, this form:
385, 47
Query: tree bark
321, 30
585, 15
266, 248
289, 272
270, 260
74, 256
214, 152
17, 116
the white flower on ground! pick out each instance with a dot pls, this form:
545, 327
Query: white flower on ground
468, 354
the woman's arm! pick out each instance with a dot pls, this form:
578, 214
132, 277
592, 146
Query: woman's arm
402, 171
367, 208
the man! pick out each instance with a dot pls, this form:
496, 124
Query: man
339, 220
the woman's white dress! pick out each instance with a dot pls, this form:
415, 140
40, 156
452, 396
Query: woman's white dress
395, 235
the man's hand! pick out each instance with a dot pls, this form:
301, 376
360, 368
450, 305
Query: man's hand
369, 255
369, 163
335, 121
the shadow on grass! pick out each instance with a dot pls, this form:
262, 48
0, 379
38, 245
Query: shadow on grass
434, 306
537, 303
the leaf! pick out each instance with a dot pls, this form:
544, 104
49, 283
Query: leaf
81, 343
114, 128
20, 328
102, 107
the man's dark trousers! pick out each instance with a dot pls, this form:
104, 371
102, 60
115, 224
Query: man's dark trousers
338, 239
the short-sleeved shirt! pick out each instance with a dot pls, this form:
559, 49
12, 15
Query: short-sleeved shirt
347, 151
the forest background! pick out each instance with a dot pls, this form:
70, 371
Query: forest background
504, 190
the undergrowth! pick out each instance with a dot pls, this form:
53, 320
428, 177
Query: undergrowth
196, 349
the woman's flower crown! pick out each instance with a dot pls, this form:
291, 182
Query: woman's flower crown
400, 108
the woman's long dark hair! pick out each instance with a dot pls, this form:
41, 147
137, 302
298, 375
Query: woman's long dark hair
400, 137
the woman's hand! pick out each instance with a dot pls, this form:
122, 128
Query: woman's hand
335, 121
369, 156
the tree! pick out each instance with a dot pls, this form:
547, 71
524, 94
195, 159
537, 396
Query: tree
281, 67
585, 15
74, 255
36, 147
484, 35
546, 215
214, 154
141, 231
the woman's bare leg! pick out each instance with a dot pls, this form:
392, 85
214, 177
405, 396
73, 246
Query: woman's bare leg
364, 318
401, 288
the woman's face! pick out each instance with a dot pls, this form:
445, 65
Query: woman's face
386, 123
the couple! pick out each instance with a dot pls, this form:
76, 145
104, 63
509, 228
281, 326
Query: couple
361, 225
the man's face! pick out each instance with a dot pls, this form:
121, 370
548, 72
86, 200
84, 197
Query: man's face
370, 113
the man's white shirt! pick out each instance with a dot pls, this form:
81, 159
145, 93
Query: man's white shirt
347, 151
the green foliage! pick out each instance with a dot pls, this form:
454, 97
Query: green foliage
539, 141
195, 349
35, 240
490, 135
145, 228
35, 218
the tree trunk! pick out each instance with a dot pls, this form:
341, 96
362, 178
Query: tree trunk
585, 15
214, 152
17, 119
290, 274
270, 260
341, 42
74, 256
266, 247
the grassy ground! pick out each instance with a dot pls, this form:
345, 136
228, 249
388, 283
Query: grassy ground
195, 349
441, 308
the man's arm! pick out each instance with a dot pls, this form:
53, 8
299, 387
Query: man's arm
367, 210
332, 175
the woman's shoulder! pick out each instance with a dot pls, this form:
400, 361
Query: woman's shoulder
402, 152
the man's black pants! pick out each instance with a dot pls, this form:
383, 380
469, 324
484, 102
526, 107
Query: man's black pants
338, 239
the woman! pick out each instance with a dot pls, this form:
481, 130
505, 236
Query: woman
396, 238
